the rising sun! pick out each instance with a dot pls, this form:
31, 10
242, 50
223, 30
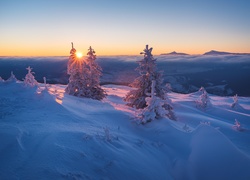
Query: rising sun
79, 54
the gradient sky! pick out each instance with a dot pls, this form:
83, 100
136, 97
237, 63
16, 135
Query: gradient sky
123, 27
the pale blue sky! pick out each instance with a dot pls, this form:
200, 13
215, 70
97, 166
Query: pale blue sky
117, 27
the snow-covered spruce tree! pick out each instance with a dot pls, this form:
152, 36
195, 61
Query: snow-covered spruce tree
92, 76
235, 103
30, 80
147, 69
12, 78
75, 86
203, 101
154, 109
84, 76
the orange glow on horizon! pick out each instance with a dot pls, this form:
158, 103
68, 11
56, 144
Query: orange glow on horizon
113, 51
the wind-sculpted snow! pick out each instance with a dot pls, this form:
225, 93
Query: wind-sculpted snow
211, 146
50, 135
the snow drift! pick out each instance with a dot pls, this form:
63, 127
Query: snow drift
50, 135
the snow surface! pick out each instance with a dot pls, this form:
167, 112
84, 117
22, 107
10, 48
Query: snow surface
50, 135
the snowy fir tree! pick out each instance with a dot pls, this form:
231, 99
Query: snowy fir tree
203, 101
84, 76
75, 86
235, 103
12, 78
73, 63
92, 76
154, 109
30, 80
147, 69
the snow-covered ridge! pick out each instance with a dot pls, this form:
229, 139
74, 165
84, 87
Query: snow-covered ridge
50, 135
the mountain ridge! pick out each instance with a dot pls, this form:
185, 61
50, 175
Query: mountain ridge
211, 53
214, 52
175, 53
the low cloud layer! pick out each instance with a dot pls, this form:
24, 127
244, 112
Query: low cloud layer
185, 73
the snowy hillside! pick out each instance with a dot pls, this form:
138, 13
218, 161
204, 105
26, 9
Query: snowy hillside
56, 136
50, 135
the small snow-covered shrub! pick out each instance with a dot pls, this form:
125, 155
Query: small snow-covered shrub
12, 78
1, 79
168, 88
205, 123
29, 80
186, 128
235, 103
40, 90
237, 125
202, 89
203, 101
154, 109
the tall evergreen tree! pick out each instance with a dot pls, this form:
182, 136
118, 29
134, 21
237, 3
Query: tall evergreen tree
84, 80
75, 70
92, 74
148, 73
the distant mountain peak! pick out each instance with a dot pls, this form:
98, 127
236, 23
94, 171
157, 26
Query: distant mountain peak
175, 53
213, 53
